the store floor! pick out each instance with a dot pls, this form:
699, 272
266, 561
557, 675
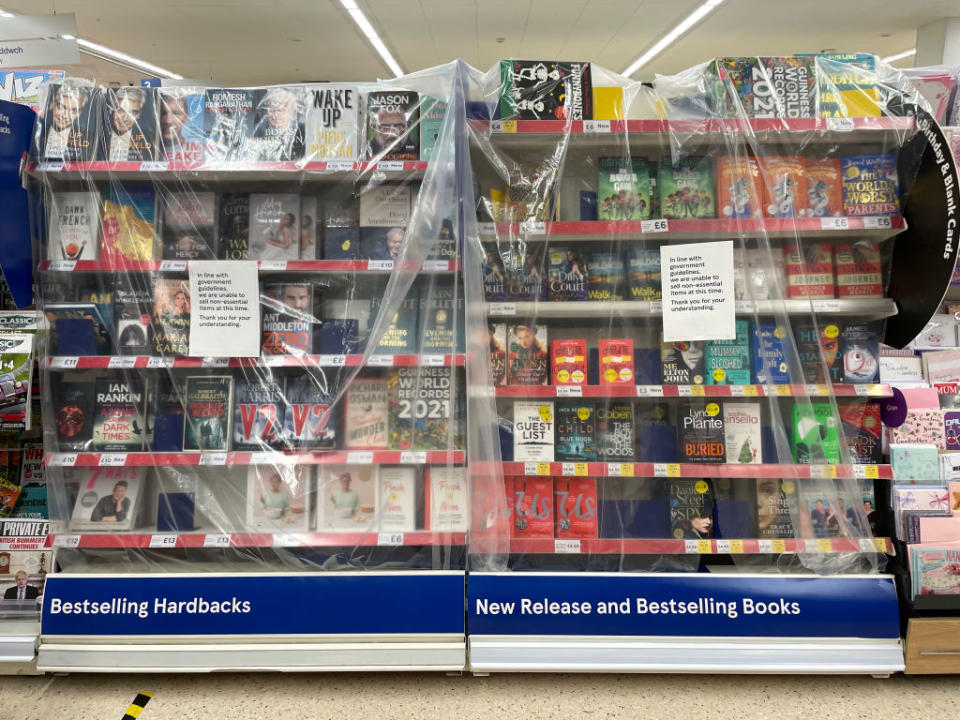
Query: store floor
437, 697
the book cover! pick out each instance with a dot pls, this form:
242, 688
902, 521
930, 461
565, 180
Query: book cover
728, 361
922, 427
398, 499
575, 505
310, 417
366, 414
228, 123
847, 85
545, 90
576, 424
70, 123
862, 428
623, 188
182, 137
494, 275
401, 334
809, 270
119, 415
128, 124
687, 188
73, 222
568, 362
278, 125
176, 512
393, 125
643, 273
498, 352
742, 433
309, 228
258, 412
616, 361
532, 503
776, 502
432, 112
234, 226
441, 310
784, 187
133, 305
108, 499
341, 228
347, 498
274, 226
682, 363
607, 280
76, 329
73, 415
207, 413
165, 414
385, 206
860, 349
171, 316
765, 274
332, 122
569, 278
701, 433
770, 87
616, 432
533, 431
691, 508
527, 355
819, 351
769, 354
870, 185
423, 409
739, 193
277, 498
287, 318
859, 270
188, 226
448, 500
129, 214
814, 434
824, 197
526, 274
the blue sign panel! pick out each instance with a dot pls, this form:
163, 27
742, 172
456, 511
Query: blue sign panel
682, 605
315, 604
16, 253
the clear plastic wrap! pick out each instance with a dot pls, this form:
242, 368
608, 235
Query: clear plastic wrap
752, 447
340, 442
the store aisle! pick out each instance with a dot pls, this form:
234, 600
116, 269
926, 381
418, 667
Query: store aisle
437, 697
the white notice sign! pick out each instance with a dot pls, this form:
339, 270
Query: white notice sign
225, 309
698, 295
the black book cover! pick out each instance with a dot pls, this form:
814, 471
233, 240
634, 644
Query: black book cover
165, 415
189, 220
526, 274
278, 125
576, 432
71, 122
207, 416
691, 508
701, 434
393, 125
545, 90
128, 130
615, 432
817, 346
228, 123
682, 363
133, 304
234, 226
119, 424
73, 415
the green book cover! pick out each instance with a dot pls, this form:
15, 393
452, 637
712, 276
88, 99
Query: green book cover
623, 188
813, 434
728, 361
432, 112
687, 190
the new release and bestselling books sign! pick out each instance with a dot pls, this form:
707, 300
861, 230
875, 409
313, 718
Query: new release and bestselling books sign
690, 605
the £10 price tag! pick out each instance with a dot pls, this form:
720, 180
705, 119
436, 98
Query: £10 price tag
112, 460
339, 166
390, 165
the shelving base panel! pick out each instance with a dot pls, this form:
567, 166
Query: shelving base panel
18, 646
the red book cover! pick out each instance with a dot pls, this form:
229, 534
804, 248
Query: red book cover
568, 362
784, 186
824, 197
809, 270
858, 270
616, 361
739, 194
532, 507
492, 508
575, 500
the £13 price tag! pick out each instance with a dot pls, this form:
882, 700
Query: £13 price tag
163, 540
390, 539
655, 226
216, 541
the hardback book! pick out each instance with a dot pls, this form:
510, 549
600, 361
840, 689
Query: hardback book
234, 226
71, 122
739, 188
398, 498
432, 113
701, 433
182, 137
771, 87
165, 413
860, 349
423, 410
769, 354
809, 270
176, 512
366, 414
278, 125
119, 415
616, 431
569, 278
441, 310
341, 228
189, 225
401, 334
623, 189
568, 362
73, 222
870, 185
576, 439
923, 426
682, 363
824, 196
287, 318
393, 125
607, 280
728, 361
527, 355
847, 85
764, 274
258, 414
784, 187
687, 188
310, 418
498, 352
274, 226
382, 243
446, 246
545, 90
616, 361
207, 403
228, 123
447, 500
347, 498
575, 507
129, 214
814, 434
819, 351
776, 503
643, 273
128, 124
332, 122
743, 436
309, 228
533, 431
532, 504
278, 497
862, 431
384, 215
858, 267
494, 275
171, 316
691, 508
108, 498
527, 274
77, 329
73, 413
133, 307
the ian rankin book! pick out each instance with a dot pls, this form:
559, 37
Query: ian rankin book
533, 431
207, 413
107, 499
119, 415
258, 414
73, 222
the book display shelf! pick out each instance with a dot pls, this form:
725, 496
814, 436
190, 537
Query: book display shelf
254, 376
673, 373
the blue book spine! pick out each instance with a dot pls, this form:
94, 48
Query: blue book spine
769, 357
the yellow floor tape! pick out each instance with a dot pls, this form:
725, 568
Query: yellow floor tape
136, 707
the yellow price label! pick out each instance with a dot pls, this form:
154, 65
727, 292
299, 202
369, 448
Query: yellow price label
823, 390
583, 413
874, 389
719, 375
545, 413
509, 126
543, 469
880, 544
701, 486
673, 470
871, 472
563, 376
751, 391
697, 391
783, 390
788, 487
778, 546
610, 375
831, 331
736, 547
713, 409
824, 545
705, 547
580, 469
626, 469
830, 471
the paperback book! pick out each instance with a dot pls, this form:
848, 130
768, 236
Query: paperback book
860, 349
494, 275
545, 90
862, 430
568, 362
769, 354
814, 436
533, 431
569, 278
687, 189
776, 503
819, 351
527, 355
498, 352
682, 363
616, 361
701, 433
643, 273
743, 435
73, 414
870, 185
785, 186
859, 270
576, 439
691, 508
208, 399
606, 276
809, 270
616, 432
824, 196
575, 506
623, 189
119, 416
532, 505
526, 275
728, 361
739, 193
